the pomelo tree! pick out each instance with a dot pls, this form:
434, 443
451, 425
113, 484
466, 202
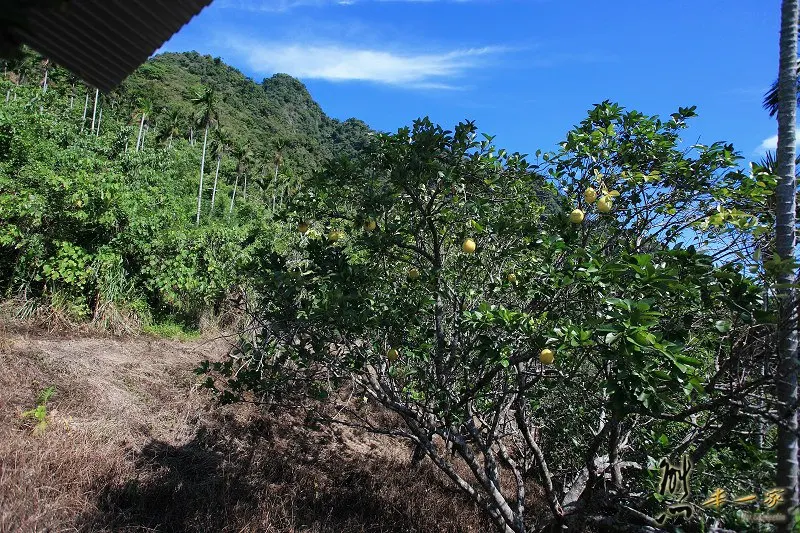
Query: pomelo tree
530, 346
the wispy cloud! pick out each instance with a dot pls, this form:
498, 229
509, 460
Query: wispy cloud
339, 63
770, 144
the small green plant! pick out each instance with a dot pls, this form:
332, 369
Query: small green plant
39, 413
171, 330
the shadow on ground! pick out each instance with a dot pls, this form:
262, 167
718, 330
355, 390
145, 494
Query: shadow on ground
289, 478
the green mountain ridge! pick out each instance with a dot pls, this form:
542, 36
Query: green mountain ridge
263, 116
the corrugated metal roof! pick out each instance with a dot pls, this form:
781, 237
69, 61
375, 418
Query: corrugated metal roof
103, 41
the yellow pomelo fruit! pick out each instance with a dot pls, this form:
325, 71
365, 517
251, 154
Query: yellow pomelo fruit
413, 273
392, 354
468, 246
512, 278
605, 204
370, 225
590, 195
302, 227
546, 356
576, 217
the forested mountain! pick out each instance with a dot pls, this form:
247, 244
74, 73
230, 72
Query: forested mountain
150, 200
278, 115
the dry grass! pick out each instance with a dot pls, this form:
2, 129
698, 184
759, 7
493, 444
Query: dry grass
133, 445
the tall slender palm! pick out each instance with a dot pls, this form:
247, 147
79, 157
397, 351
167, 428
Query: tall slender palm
771, 98
172, 127
277, 160
785, 193
73, 81
85, 107
94, 112
206, 103
242, 155
145, 109
220, 144
46, 67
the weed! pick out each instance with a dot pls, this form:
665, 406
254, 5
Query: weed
39, 413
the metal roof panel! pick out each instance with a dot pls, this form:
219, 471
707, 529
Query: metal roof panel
103, 41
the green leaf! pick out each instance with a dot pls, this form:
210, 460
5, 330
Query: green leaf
723, 326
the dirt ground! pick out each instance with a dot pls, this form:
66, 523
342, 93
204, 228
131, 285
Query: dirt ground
133, 444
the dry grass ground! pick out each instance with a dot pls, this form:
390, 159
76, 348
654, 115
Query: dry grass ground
133, 445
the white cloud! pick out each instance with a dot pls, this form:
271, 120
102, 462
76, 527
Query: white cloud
770, 144
335, 62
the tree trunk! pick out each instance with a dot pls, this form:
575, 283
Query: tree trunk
244, 189
99, 119
233, 196
169, 143
191, 136
214, 189
786, 380
141, 128
202, 169
274, 187
85, 108
94, 112
44, 84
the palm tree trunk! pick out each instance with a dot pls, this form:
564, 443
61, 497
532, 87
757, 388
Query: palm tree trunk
233, 196
44, 85
202, 169
214, 190
274, 187
139, 138
786, 380
85, 108
99, 119
244, 189
191, 136
94, 112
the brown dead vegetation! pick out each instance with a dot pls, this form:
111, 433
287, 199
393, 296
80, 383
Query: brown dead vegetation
133, 444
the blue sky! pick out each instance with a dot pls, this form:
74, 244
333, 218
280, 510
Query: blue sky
524, 70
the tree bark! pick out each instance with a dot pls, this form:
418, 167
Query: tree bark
786, 380
274, 187
141, 128
233, 196
214, 190
202, 170
99, 119
85, 108
94, 112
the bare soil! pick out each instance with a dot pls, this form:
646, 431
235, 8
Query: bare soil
133, 444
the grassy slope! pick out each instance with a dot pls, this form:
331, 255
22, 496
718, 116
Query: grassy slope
132, 445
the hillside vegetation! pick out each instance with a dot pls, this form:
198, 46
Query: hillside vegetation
99, 199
